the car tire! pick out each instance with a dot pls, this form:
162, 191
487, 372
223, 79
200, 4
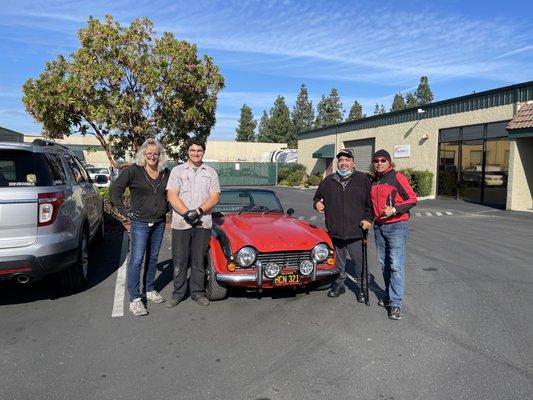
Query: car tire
214, 290
75, 277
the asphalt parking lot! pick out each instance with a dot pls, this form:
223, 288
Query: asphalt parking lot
467, 331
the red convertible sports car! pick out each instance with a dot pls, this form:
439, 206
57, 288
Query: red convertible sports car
256, 245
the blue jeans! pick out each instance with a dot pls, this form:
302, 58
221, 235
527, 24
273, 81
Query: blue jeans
144, 239
391, 244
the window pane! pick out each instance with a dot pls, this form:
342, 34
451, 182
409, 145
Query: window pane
23, 168
497, 130
473, 132
446, 135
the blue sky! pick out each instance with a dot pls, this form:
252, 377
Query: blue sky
368, 50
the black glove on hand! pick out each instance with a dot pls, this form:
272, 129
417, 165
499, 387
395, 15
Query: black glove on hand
192, 217
133, 215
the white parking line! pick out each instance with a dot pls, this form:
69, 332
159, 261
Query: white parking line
418, 214
438, 213
120, 285
428, 214
449, 213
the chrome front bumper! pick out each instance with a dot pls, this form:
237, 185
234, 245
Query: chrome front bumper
258, 277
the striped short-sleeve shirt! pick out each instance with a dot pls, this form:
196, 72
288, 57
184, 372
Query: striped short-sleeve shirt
193, 186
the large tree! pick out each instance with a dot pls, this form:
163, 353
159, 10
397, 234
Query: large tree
423, 93
329, 110
125, 84
247, 124
263, 134
356, 112
303, 114
398, 103
279, 121
410, 100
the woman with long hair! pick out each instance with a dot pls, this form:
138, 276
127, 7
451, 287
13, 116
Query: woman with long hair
146, 180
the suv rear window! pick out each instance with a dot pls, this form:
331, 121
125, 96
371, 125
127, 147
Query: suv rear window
24, 168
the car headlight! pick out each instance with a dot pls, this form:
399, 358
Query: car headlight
271, 270
246, 256
320, 252
306, 267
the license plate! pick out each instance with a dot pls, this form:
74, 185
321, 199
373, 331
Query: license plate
286, 279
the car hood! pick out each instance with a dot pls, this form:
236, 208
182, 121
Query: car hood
271, 232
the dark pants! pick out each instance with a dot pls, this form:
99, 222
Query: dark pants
145, 238
352, 247
189, 248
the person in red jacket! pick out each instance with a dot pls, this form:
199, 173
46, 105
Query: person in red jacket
392, 198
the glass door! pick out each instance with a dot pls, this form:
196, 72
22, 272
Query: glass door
448, 169
471, 173
496, 168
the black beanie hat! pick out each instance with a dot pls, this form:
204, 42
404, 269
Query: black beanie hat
382, 153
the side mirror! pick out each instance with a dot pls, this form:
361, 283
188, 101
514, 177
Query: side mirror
290, 211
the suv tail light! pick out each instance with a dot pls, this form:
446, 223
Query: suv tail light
48, 207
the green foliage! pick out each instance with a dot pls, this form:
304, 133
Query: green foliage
292, 175
329, 110
398, 103
420, 181
314, 180
125, 84
247, 124
423, 93
275, 127
379, 109
302, 117
356, 112
410, 100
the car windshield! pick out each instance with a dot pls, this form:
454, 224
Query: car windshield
239, 200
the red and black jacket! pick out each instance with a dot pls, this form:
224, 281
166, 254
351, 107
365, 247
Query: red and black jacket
392, 188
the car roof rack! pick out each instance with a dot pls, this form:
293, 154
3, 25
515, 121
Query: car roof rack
43, 142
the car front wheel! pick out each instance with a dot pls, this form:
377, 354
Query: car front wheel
213, 289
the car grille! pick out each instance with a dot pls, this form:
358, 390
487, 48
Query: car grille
293, 258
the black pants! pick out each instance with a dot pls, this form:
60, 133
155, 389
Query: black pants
352, 247
189, 248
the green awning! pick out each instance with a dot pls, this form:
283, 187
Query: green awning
326, 151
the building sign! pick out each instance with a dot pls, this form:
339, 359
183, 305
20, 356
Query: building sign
402, 151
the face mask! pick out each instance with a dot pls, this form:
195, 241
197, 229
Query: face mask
344, 173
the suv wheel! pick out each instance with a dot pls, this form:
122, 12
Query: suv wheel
75, 277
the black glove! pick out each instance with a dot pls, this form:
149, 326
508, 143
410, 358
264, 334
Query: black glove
192, 217
133, 215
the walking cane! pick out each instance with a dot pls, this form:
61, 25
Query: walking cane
364, 268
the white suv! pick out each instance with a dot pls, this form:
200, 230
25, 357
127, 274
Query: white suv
49, 211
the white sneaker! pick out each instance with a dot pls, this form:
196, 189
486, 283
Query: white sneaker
154, 297
137, 308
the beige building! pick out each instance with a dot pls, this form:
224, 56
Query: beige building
464, 141
88, 149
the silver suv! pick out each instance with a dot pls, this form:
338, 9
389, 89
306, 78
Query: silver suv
49, 211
